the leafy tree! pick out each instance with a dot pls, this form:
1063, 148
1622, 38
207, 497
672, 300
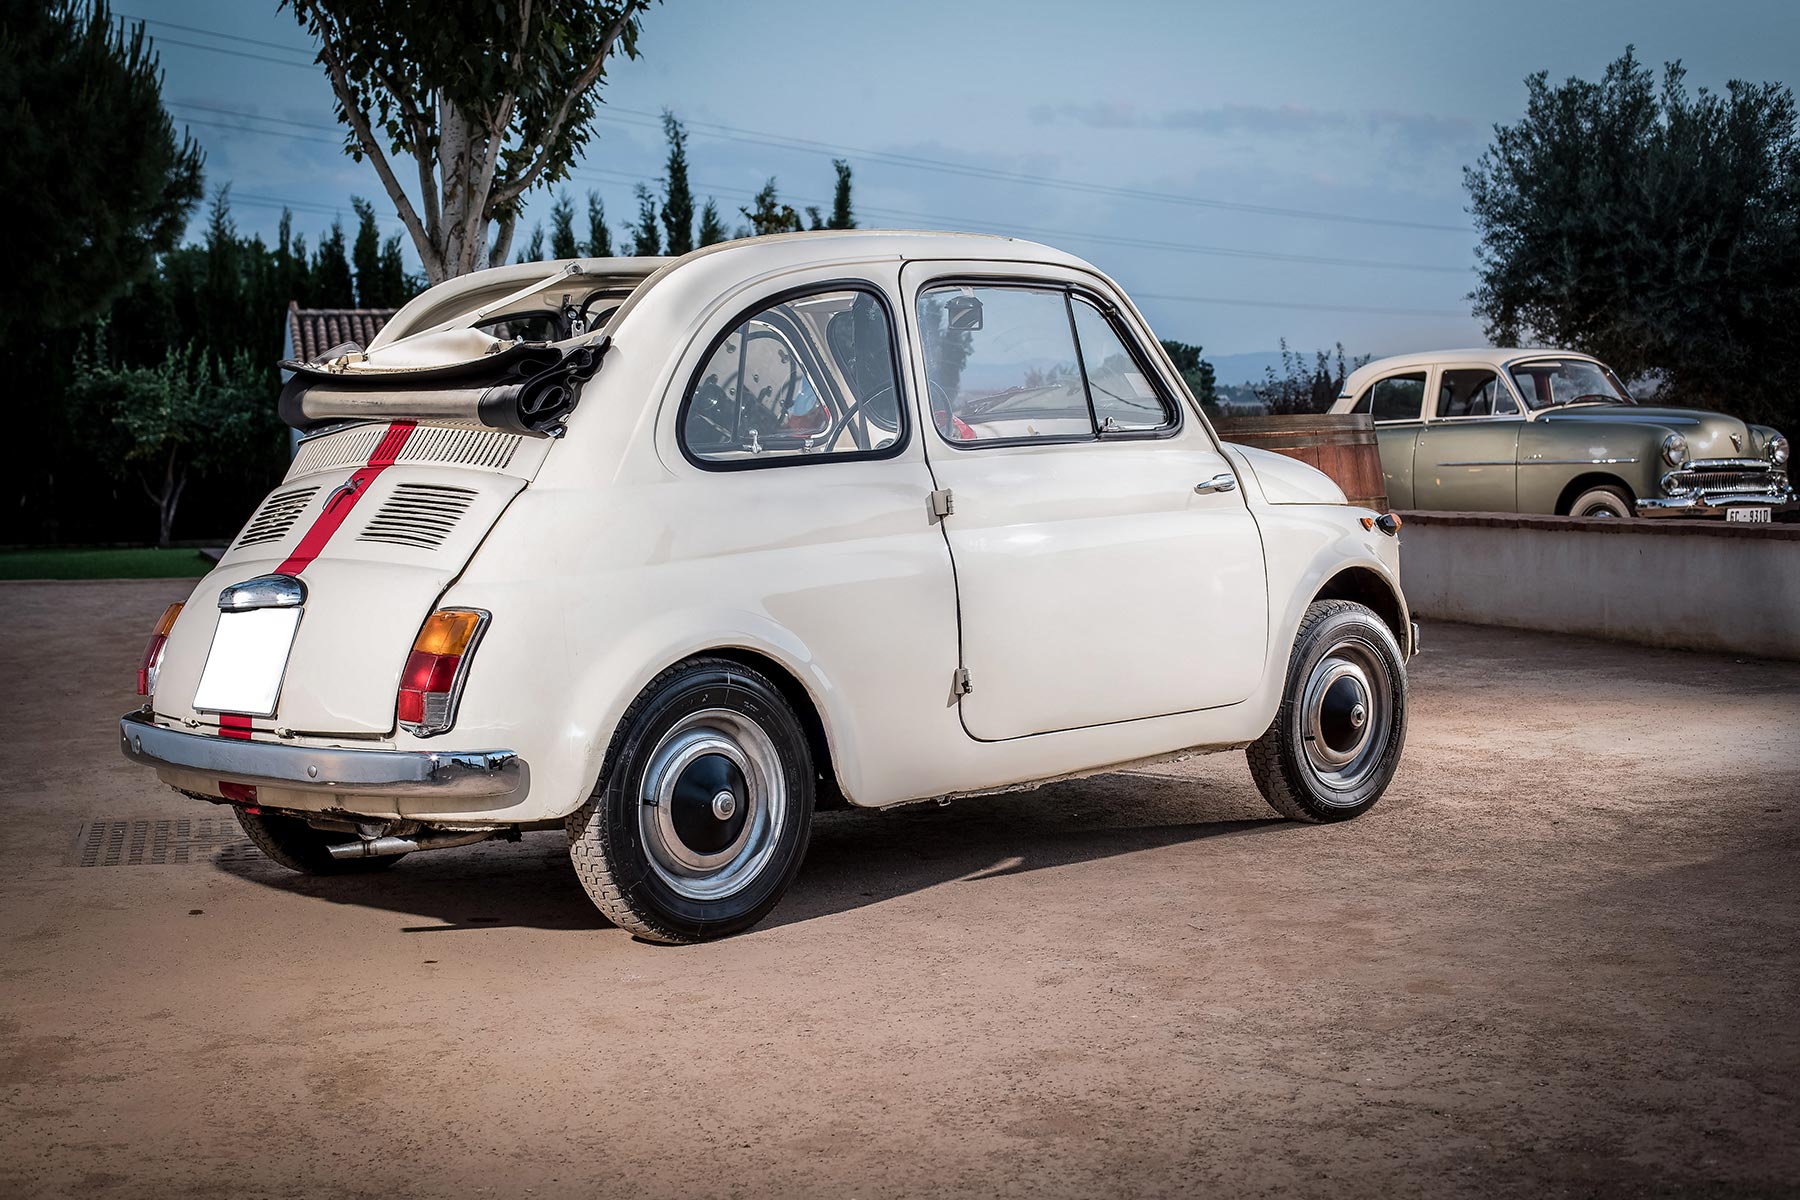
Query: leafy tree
645, 238
489, 100
1300, 389
333, 285
1654, 228
678, 209
96, 182
534, 250
191, 412
712, 230
841, 215
768, 214
599, 243
1199, 374
562, 229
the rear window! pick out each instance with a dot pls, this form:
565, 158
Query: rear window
810, 377
1396, 398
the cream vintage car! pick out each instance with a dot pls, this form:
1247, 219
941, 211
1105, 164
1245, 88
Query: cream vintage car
670, 553
1553, 431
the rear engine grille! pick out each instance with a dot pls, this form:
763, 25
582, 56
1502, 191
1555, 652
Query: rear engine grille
276, 516
419, 515
446, 445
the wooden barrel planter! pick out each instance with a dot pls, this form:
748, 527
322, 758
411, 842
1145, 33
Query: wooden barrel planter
1341, 446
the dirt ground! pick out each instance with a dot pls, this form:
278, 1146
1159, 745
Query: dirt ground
1561, 957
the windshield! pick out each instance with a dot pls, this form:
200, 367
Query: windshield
1549, 382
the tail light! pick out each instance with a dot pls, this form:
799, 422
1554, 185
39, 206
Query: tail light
432, 682
153, 652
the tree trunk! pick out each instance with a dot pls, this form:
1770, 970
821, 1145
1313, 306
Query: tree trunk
168, 498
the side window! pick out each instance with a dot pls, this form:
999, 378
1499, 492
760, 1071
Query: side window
1473, 393
812, 376
1125, 397
1362, 401
1398, 398
1001, 363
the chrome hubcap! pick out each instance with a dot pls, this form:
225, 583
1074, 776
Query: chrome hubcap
712, 800
1346, 708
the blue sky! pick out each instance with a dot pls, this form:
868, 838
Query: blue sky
1294, 169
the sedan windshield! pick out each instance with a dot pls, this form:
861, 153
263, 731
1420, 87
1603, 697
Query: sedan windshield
1549, 382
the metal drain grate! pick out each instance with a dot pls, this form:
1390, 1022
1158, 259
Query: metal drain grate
163, 843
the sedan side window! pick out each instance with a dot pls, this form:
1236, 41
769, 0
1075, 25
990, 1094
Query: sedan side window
1399, 398
812, 376
1473, 393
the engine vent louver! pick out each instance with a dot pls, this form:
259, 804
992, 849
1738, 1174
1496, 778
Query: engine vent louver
276, 516
420, 515
446, 445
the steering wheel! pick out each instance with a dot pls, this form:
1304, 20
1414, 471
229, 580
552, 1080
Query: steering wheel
860, 433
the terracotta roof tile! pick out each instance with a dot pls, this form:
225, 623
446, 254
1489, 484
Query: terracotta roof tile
316, 330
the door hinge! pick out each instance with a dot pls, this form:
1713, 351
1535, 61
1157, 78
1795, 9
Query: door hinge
960, 683
943, 503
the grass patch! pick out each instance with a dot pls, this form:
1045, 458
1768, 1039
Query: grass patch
129, 563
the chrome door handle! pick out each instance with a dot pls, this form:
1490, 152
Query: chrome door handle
1218, 483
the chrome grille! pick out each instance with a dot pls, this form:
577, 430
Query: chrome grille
421, 515
1690, 480
276, 516
445, 445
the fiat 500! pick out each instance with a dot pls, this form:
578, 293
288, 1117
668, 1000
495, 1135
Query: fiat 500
670, 553
1551, 431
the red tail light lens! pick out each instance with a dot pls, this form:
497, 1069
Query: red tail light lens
153, 652
433, 677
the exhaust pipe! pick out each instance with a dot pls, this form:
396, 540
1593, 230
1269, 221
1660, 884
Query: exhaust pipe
378, 847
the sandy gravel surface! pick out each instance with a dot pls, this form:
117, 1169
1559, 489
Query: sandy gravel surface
1561, 957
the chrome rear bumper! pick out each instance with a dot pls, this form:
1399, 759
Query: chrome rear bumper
464, 773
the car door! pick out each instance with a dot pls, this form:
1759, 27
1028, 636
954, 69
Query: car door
1466, 456
1396, 404
1107, 567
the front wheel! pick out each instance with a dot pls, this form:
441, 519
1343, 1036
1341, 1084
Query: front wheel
704, 806
1602, 502
1336, 738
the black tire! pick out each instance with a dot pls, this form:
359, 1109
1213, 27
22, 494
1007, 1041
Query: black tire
1345, 662
1605, 501
299, 847
704, 724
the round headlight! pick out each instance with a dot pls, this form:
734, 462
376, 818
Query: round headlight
1675, 449
1778, 450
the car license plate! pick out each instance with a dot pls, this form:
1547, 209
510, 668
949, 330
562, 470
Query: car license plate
248, 658
1755, 516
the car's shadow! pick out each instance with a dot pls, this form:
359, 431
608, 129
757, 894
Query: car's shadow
856, 858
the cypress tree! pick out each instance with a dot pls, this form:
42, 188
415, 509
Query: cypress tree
678, 209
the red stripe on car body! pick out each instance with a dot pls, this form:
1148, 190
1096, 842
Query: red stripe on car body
344, 498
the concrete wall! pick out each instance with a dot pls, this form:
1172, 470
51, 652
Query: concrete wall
1695, 585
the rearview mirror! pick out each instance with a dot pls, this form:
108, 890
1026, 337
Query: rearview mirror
963, 314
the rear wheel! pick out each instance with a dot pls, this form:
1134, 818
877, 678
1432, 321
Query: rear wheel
299, 847
1605, 501
703, 810
1336, 739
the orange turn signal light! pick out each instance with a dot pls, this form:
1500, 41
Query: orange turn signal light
434, 671
153, 651
1388, 523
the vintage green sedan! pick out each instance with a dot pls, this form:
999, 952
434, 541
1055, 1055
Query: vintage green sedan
1552, 431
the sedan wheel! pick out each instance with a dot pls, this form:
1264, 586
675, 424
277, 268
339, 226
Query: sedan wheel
704, 807
1602, 502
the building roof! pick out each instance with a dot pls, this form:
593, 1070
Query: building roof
312, 331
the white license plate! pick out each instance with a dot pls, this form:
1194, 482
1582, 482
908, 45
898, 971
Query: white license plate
1754, 516
248, 658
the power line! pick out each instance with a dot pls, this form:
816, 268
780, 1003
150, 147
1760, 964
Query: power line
936, 219
722, 132
230, 37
